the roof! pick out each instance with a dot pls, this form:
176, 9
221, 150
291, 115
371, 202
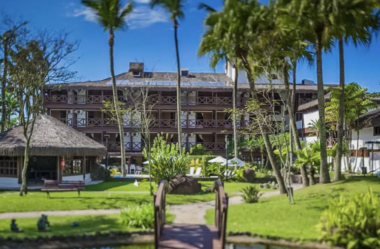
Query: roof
50, 138
367, 117
167, 81
312, 104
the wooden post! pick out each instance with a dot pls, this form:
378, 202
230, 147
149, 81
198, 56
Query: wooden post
129, 164
84, 168
19, 168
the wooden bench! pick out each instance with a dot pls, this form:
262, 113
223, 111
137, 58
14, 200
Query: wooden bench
60, 186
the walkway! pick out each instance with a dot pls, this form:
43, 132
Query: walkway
195, 212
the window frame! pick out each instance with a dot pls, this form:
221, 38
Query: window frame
8, 164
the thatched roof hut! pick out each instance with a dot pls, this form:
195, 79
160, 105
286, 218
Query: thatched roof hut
50, 138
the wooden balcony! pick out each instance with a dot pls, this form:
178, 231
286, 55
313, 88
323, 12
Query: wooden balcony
154, 99
114, 146
159, 123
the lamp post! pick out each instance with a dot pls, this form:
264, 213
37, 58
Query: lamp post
225, 172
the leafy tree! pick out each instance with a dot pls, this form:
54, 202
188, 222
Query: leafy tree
356, 103
39, 61
111, 16
309, 156
175, 9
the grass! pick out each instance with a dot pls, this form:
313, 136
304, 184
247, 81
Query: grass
277, 217
88, 224
98, 197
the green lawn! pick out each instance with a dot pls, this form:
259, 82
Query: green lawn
37, 201
230, 187
88, 224
275, 216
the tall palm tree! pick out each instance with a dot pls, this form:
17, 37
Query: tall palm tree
111, 16
219, 41
352, 20
315, 15
175, 8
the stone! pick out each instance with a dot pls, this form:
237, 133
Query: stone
98, 173
184, 185
249, 175
208, 190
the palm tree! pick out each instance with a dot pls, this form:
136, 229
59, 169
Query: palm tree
111, 16
352, 20
174, 7
314, 126
315, 15
309, 156
219, 40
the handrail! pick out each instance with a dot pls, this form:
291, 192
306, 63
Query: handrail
221, 208
159, 210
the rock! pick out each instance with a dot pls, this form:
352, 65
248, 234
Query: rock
184, 185
249, 175
208, 190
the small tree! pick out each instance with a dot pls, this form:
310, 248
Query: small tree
41, 60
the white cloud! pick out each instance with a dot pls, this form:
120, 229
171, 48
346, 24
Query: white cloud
141, 17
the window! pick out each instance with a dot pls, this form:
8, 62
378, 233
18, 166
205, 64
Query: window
376, 131
8, 166
73, 167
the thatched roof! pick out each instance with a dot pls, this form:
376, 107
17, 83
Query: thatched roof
50, 138
312, 104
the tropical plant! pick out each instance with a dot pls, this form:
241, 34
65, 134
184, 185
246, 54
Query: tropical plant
166, 162
138, 216
251, 194
352, 222
309, 156
115, 172
199, 150
175, 9
111, 16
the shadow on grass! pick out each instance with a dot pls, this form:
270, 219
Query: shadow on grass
362, 178
104, 186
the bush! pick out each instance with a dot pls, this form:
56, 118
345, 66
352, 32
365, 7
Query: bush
138, 216
165, 160
251, 194
352, 222
263, 173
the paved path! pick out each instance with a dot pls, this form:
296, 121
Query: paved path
192, 213
195, 212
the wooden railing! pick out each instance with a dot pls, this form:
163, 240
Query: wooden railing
160, 211
154, 99
221, 208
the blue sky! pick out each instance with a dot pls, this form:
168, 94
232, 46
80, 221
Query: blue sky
149, 39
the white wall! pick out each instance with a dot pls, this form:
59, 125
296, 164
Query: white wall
9, 182
311, 139
365, 135
310, 116
242, 77
77, 178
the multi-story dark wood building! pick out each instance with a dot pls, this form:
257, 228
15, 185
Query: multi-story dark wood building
204, 97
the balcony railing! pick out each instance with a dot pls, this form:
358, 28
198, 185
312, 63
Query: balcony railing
114, 146
158, 123
154, 99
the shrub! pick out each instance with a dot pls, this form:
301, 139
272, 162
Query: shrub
165, 160
251, 194
138, 216
352, 222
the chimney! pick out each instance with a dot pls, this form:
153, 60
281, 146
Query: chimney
185, 72
137, 69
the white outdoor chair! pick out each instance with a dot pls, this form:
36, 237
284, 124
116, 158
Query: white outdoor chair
191, 172
198, 171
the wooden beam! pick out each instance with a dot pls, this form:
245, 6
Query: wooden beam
84, 168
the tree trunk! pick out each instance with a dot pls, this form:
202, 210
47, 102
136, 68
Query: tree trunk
3, 83
234, 113
115, 102
272, 159
24, 186
312, 178
292, 121
179, 123
339, 152
357, 146
324, 171
251, 154
262, 159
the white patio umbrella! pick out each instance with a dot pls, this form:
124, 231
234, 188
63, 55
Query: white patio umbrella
235, 162
218, 159
146, 162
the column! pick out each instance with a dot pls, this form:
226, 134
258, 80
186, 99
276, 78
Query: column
84, 168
